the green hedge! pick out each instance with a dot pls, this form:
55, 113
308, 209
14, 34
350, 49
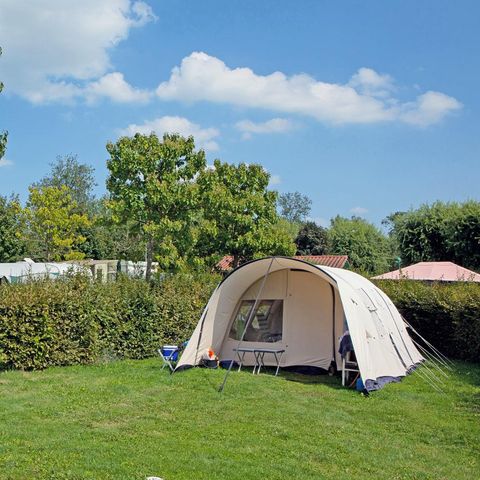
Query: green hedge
447, 315
78, 321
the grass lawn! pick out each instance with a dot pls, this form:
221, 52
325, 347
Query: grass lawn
128, 420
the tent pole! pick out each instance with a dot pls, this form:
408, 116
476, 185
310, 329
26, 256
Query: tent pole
250, 317
334, 353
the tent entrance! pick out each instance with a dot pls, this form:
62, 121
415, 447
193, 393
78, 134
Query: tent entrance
295, 311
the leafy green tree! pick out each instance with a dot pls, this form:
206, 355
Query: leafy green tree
441, 231
77, 177
312, 239
106, 239
12, 246
368, 249
239, 213
53, 225
3, 135
295, 207
152, 184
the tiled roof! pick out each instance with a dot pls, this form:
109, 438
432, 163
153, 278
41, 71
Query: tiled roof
337, 261
433, 272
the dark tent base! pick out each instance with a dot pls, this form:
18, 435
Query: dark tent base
305, 370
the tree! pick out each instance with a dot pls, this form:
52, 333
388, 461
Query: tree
152, 184
12, 246
312, 239
239, 213
367, 248
441, 231
3, 135
295, 207
53, 226
77, 177
105, 238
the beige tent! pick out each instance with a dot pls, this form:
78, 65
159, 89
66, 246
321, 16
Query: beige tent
287, 304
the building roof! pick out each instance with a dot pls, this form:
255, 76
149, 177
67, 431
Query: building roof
433, 272
337, 261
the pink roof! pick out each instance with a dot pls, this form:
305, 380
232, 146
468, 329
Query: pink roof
338, 261
433, 271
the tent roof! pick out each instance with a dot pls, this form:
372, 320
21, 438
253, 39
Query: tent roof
432, 271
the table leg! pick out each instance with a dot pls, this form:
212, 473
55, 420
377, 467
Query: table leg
260, 360
240, 360
257, 364
278, 362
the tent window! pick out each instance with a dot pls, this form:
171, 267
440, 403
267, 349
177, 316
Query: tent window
266, 324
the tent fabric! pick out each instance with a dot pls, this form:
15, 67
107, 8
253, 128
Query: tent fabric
319, 304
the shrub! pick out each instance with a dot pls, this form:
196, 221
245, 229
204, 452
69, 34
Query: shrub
75, 320
447, 315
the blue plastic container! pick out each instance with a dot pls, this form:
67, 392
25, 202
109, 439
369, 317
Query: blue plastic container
359, 385
172, 350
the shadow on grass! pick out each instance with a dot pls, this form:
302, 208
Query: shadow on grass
292, 376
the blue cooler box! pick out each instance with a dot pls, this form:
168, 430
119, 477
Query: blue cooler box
167, 350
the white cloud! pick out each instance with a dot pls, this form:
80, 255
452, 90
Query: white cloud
275, 125
359, 211
429, 108
114, 86
274, 180
4, 162
366, 98
371, 83
204, 137
53, 50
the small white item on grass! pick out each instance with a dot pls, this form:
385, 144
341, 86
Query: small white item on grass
154, 478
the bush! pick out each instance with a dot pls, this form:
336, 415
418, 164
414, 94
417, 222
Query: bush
447, 315
75, 321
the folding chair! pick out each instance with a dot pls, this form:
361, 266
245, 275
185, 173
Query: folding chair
169, 355
349, 364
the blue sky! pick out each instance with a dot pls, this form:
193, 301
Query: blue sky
366, 107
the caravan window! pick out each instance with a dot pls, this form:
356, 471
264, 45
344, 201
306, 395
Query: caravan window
266, 324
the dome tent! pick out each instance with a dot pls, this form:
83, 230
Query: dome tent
304, 309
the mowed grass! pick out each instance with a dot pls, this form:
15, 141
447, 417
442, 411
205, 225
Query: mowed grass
128, 420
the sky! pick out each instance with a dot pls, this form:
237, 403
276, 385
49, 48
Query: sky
368, 108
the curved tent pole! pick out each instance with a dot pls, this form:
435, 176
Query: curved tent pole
247, 324
334, 353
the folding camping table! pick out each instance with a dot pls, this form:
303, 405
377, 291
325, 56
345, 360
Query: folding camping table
259, 354
260, 357
241, 356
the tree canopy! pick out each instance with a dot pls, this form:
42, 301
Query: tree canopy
240, 213
294, 206
312, 239
12, 245
441, 231
152, 184
77, 177
53, 226
367, 248
3, 135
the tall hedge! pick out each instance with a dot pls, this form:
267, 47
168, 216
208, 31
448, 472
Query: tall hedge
447, 315
78, 321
